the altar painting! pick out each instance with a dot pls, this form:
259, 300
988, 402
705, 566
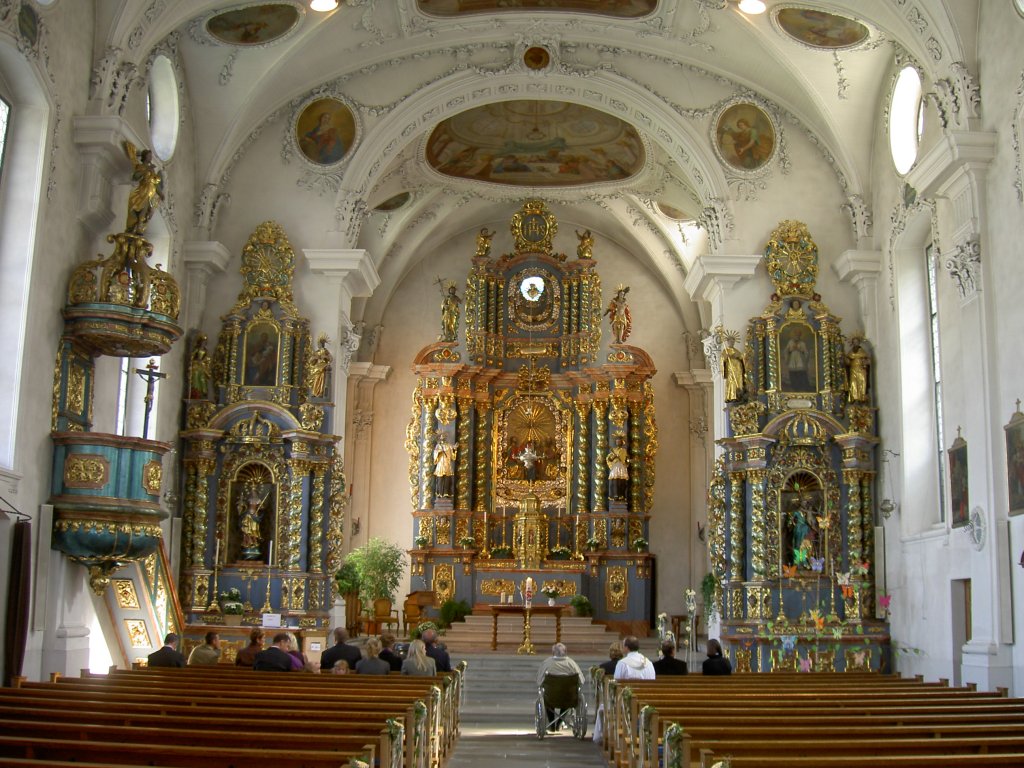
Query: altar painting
798, 360
261, 354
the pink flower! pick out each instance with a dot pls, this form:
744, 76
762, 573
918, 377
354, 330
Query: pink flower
805, 665
884, 601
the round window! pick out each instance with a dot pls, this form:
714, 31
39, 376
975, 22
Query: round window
905, 119
163, 107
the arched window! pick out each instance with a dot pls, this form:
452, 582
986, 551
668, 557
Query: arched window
905, 119
163, 109
27, 112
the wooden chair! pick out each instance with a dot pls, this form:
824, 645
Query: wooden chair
383, 614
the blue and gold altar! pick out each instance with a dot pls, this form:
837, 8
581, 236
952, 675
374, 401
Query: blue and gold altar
529, 456
791, 533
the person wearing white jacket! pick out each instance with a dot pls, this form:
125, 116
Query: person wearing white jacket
634, 665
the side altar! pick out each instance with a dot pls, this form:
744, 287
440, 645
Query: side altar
527, 456
791, 513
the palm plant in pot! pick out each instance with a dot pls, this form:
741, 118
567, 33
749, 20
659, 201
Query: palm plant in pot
380, 565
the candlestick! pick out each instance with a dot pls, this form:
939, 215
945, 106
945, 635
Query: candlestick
216, 553
270, 554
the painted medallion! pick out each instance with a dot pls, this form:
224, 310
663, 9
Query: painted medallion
254, 24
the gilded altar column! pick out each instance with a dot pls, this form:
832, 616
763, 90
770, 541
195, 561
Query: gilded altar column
427, 462
854, 531
317, 510
600, 487
868, 528
464, 428
637, 468
758, 525
650, 448
737, 544
481, 497
582, 453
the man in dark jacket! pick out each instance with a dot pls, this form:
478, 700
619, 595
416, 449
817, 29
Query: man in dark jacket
340, 650
387, 642
668, 664
716, 663
436, 652
275, 658
167, 656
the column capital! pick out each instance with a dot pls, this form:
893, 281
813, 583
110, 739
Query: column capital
351, 267
205, 257
856, 265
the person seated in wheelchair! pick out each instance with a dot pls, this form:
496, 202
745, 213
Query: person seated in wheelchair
565, 697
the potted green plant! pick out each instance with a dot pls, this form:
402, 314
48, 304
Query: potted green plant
346, 579
421, 541
380, 565
501, 552
593, 543
452, 611
640, 544
581, 603
467, 542
708, 591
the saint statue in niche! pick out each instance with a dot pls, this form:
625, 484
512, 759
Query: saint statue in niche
249, 521
444, 467
804, 523
618, 469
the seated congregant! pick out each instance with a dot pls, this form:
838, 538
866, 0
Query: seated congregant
417, 662
716, 663
436, 651
634, 665
387, 652
168, 656
668, 664
247, 655
614, 654
276, 658
340, 650
372, 664
206, 654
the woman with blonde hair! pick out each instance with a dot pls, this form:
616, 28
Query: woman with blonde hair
371, 663
417, 662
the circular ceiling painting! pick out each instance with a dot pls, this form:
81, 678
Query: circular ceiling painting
819, 29
535, 143
744, 136
253, 24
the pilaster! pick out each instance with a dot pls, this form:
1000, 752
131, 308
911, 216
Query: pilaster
363, 378
862, 268
203, 259
100, 142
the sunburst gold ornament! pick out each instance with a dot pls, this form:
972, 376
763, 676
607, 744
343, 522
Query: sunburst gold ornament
791, 258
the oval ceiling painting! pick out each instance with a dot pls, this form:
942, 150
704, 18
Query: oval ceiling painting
744, 137
394, 203
253, 24
671, 212
535, 143
819, 29
622, 9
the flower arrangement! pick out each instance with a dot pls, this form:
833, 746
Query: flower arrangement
467, 542
593, 543
549, 591
501, 551
231, 602
640, 544
421, 541
559, 552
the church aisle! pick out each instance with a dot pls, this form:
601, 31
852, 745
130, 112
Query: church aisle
497, 718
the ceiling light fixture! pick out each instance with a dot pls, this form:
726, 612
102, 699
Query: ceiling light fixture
752, 6
325, 5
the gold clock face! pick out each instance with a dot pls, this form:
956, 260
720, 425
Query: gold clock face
795, 262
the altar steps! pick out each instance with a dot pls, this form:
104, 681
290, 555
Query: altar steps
579, 633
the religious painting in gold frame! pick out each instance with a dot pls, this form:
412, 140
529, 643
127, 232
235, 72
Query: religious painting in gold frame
1015, 461
798, 359
959, 499
532, 435
744, 137
325, 131
253, 25
262, 345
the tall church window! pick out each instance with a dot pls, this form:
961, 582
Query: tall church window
5, 110
936, 372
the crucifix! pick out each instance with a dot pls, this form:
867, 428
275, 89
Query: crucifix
150, 375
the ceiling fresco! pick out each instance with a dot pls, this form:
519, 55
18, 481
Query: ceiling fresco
254, 24
622, 9
819, 29
535, 143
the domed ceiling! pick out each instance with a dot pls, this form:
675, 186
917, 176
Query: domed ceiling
537, 144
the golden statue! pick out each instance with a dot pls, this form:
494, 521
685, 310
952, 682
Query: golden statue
450, 314
621, 320
249, 524
199, 373
319, 365
732, 370
483, 243
585, 250
148, 192
857, 374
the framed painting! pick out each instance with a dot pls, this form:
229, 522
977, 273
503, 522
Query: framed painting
744, 137
260, 364
798, 360
253, 25
325, 131
958, 496
820, 29
1015, 461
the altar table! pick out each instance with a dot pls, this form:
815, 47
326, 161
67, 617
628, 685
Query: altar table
498, 609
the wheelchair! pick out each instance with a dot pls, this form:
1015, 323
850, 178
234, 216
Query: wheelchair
565, 694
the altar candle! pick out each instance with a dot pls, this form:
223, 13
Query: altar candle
270, 554
216, 553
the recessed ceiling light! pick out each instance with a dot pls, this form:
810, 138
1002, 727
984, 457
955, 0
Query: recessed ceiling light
752, 6
323, 5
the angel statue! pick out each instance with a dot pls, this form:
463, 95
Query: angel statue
621, 320
148, 192
483, 243
450, 314
319, 367
585, 250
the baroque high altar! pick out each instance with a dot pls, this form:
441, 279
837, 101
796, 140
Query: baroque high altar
528, 456
791, 534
